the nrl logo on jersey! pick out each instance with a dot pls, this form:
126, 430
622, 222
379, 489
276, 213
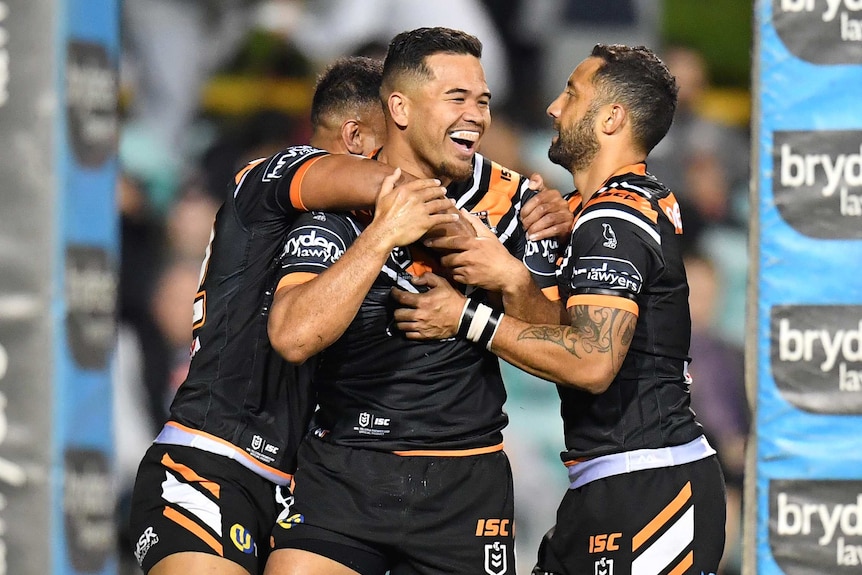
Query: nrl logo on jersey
496, 562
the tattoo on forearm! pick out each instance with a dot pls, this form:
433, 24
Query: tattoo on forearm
554, 334
592, 330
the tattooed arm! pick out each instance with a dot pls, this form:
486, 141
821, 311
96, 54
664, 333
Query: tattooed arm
586, 354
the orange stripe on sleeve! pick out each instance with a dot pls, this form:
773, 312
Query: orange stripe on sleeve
190, 525
663, 517
296, 184
295, 279
612, 301
552, 293
238, 178
191, 475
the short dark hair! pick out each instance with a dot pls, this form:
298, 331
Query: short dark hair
408, 50
640, 81
349, 82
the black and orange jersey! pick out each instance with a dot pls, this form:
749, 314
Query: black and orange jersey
625, 253
240, 398
378, 390
574, 199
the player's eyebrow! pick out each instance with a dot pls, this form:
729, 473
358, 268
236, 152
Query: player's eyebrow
466, 92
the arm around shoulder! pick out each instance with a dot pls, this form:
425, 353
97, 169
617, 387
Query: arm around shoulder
343, 182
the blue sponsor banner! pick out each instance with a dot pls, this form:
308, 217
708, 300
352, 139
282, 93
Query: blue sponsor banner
807, 478
86, 264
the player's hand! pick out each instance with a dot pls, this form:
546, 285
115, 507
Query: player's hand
433, 314
547, 214
460, 227
405, 212
480, 260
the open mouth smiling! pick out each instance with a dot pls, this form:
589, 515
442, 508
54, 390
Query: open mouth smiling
465, 139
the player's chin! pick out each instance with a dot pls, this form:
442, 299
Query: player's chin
457, 168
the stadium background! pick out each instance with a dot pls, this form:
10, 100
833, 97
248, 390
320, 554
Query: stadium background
104, 218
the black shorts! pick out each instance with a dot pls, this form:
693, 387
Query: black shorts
186, 499
376, 511
641, 523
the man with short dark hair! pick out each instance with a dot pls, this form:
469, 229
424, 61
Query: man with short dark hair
344, 110
647, 495
404, 470
204, 498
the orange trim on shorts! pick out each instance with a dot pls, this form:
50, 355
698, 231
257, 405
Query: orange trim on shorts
233, 448
683, 565
596, 300
451, 452
663, 517
296, 184
191, 475
193, 527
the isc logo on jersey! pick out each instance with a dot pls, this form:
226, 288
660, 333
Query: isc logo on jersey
313, 243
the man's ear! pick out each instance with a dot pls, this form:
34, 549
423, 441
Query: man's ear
399, 108
351, 136
613, 119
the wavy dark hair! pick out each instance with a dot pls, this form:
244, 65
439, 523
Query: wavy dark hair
636, 78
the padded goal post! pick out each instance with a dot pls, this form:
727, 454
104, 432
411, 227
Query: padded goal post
804, 337
58, 252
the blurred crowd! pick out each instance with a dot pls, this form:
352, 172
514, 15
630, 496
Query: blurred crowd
208, 85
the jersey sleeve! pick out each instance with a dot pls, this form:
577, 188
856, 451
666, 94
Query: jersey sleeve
614, 250
540, 257
269, 188
315, 242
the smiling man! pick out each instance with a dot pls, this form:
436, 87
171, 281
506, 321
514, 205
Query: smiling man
647, 495
404, 470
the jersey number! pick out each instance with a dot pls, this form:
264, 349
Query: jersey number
199, 310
